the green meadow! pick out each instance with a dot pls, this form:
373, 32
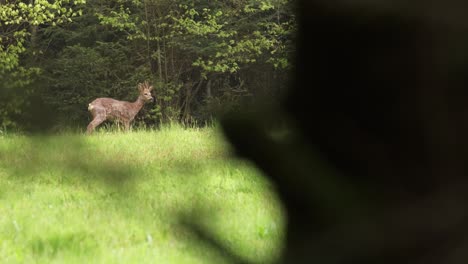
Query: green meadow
171, 195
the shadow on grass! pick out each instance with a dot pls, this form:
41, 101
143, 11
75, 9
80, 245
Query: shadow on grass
174, 196
64, 159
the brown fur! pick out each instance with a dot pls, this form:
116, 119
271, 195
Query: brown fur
124, 112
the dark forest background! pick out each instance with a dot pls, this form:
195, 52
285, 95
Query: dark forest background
203, 58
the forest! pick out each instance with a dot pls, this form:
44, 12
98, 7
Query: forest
202, 57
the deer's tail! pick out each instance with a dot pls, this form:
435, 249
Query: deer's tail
90, 107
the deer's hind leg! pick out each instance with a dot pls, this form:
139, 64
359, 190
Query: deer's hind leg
99, 116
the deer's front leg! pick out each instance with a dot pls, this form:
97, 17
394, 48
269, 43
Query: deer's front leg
126, 125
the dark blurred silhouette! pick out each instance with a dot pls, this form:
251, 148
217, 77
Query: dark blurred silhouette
374, 168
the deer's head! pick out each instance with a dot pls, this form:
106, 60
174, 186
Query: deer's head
145, 91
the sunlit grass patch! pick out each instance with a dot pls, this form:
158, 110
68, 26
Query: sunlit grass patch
132, 198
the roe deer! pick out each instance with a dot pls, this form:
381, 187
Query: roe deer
124, 112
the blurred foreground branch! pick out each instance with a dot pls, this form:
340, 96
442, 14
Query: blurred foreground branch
374, 168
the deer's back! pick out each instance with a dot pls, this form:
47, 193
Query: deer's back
111, 108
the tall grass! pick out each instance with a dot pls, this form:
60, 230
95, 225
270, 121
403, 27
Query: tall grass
125, 198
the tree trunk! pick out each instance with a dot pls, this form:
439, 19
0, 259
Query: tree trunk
208, 89
33, 30
188, 100
165, 60
148, 47
159, 61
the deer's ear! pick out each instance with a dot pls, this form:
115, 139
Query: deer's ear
151, 88
140, 87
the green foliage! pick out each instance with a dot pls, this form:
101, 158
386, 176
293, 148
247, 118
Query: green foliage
16, 19
227, 38
19, 22
165, 94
